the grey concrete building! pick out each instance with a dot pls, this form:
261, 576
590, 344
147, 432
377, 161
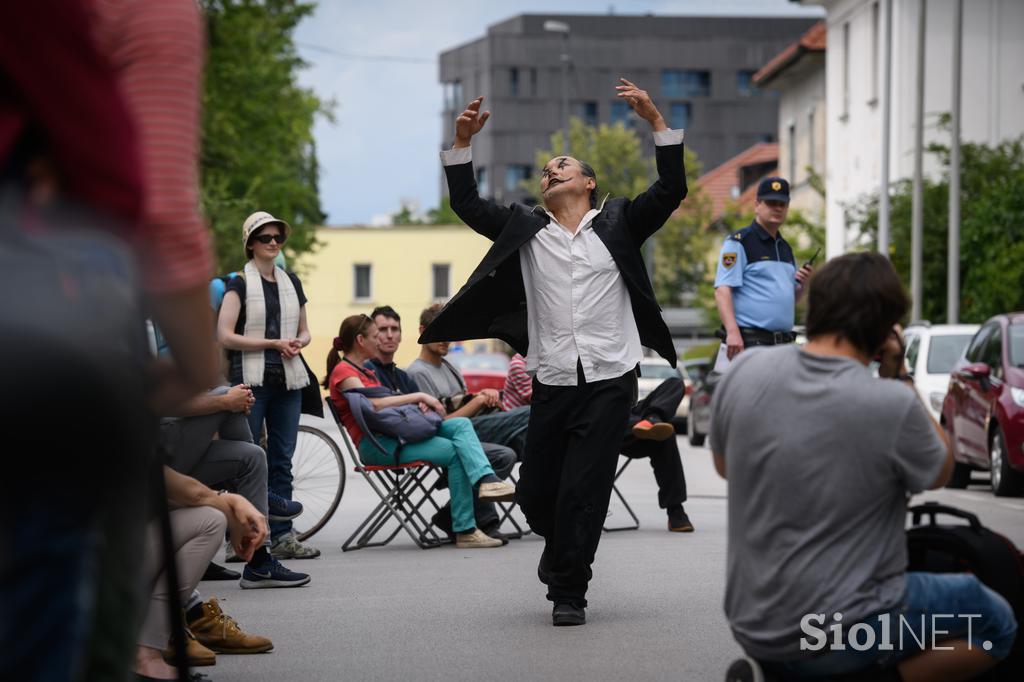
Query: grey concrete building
698, 70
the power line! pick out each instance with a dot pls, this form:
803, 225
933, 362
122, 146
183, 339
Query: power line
366, 57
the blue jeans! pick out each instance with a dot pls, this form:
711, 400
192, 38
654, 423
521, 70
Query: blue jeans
455, 448
945, 606
281, 409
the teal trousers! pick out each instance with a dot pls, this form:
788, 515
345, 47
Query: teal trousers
455, 448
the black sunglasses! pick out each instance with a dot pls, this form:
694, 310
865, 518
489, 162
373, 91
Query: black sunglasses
267, 238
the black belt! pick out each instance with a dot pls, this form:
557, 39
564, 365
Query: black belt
766, 337
760, 336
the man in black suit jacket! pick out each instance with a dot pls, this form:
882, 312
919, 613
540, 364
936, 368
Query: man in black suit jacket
565, 284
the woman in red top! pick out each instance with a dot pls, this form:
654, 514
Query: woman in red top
455, 447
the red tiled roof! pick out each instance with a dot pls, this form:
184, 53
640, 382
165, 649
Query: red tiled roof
719, 182
812, 41
746, 199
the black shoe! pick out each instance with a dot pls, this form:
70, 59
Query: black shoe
567, 614
678, 521
218, 572
442, 520
744, 670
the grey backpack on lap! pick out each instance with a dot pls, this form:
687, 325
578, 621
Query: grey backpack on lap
405, 423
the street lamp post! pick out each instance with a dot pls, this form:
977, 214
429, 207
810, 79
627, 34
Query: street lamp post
563, 28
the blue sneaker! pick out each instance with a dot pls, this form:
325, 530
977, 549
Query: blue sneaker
280, 509
271, 574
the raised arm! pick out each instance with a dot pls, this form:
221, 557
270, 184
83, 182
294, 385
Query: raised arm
484, 216
648, 211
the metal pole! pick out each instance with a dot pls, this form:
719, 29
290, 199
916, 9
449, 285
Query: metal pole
883, 193
953, 258
565, 92
917, 215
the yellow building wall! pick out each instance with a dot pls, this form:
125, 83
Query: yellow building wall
401, 260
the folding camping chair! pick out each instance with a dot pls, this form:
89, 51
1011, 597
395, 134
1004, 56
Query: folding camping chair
505, 510
622, 499
405, 499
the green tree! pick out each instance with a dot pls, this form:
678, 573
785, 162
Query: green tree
258, 151
444, 214
616, 155
991, 231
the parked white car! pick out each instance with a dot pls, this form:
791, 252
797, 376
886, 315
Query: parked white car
932, 351
655, 370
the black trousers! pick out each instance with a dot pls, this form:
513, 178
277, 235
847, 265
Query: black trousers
662, 403
572, 448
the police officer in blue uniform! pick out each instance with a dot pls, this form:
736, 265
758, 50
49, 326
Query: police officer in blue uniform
757, 283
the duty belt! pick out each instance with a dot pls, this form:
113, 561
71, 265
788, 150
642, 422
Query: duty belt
765, 336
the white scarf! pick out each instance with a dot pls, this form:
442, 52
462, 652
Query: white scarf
256, 327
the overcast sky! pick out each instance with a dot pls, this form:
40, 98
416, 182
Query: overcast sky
382, 147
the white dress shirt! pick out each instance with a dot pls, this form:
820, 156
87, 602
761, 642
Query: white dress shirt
578, 306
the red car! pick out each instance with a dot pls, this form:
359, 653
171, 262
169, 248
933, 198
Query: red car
983, 412
481, 370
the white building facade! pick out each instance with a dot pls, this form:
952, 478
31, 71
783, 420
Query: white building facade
992, 108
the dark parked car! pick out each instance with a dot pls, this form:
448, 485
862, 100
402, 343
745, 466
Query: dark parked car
983, 412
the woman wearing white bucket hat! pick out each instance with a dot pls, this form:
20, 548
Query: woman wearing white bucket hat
263, 326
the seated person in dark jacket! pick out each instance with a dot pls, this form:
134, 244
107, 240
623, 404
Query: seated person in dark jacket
502, 459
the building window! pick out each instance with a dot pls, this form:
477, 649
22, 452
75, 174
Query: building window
846, 71
876, 47
677, 83
533, 82
745, 84
362, 284
453, 95
679, 115
791, 150
441, 281
621, 113
482, 181
513, 82
590, 113
515, 175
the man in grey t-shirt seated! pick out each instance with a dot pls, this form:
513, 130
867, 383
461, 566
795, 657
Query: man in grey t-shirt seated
441, 379
820, 457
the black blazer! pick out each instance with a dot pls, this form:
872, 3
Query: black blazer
492, 304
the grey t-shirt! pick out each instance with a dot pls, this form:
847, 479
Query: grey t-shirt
819, 456
440, 382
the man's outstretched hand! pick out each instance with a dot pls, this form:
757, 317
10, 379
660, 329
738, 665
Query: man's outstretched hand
469, 123
641, 103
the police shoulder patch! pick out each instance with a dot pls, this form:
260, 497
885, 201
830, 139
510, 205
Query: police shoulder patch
728, 260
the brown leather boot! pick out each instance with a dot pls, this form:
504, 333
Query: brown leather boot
219, 631
197, 654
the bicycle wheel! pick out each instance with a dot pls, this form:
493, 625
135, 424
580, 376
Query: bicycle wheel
318, 473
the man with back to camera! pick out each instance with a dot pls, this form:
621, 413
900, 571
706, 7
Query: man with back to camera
757, 283
568, 275
820, 457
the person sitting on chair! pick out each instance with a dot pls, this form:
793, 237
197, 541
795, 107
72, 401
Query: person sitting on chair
454, 448
502, 458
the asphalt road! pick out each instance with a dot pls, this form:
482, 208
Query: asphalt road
401, 613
